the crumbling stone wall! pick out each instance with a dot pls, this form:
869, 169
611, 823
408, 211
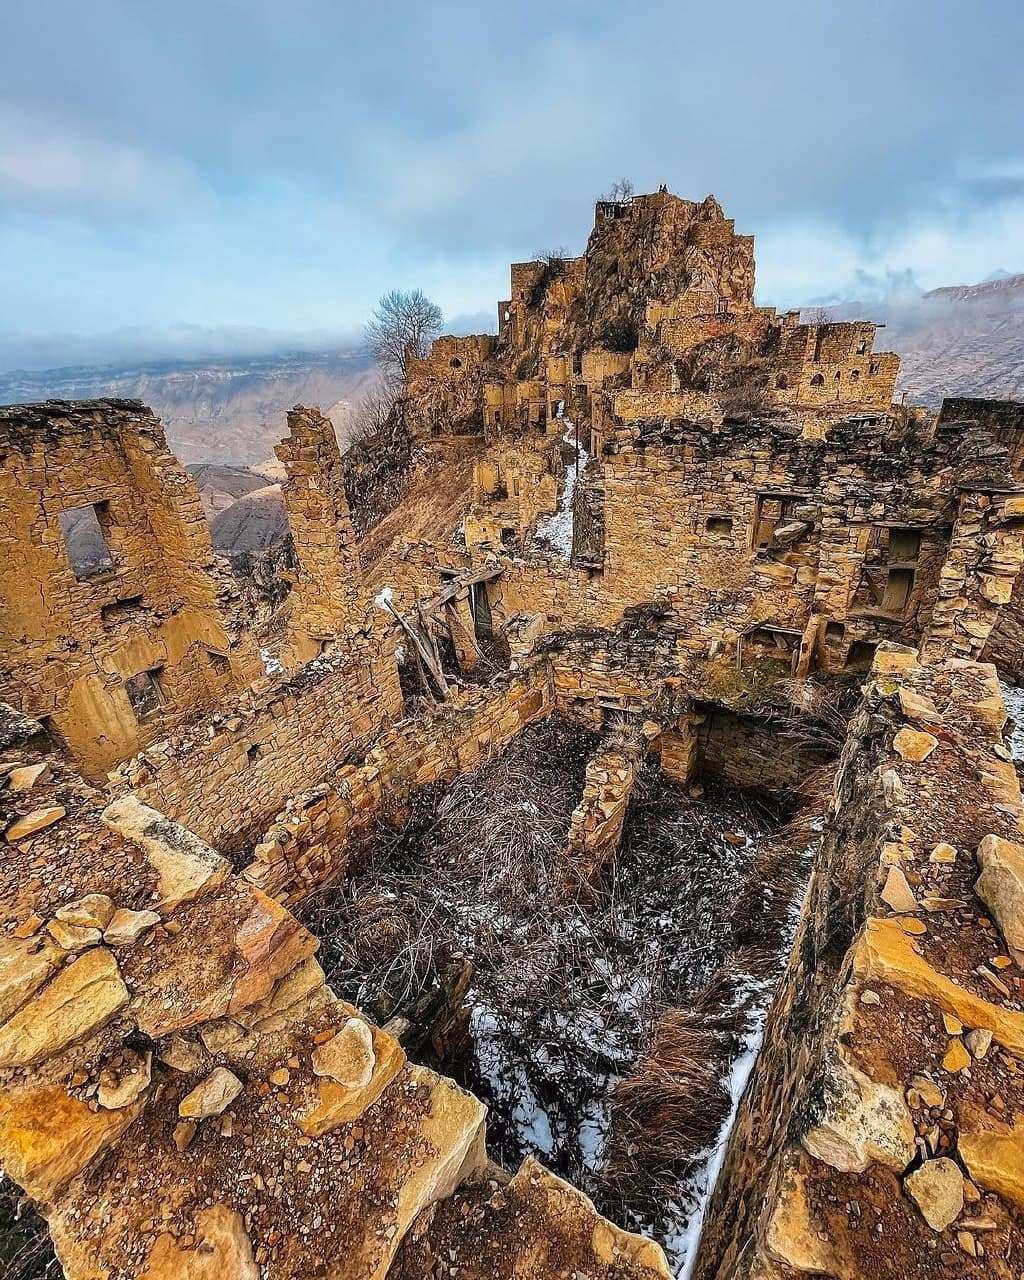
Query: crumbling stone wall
328, 600
307, 842
226, 777
117, 650
880, 1133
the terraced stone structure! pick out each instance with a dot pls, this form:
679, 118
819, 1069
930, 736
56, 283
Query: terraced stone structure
697, 532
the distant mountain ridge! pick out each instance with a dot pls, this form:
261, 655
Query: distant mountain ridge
958, 340
230, 411
989, 290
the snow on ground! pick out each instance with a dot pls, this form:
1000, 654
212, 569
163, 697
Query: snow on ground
1013, 696
271, 665
557, 529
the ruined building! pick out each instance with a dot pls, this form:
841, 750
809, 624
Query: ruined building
655, 741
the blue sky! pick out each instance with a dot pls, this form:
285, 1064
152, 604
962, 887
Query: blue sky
277, 166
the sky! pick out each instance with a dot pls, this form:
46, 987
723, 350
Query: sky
244, 168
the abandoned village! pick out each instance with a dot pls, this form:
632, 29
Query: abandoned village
605, 862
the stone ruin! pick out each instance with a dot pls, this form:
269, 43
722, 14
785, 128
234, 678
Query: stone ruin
698, 531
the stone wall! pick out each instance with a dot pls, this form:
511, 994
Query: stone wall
225, 778
328, 599
119, 648
307, 844
880, 1134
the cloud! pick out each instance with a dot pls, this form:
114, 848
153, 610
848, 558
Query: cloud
229, 161
50, 165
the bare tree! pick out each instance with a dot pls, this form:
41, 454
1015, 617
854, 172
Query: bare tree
401, 326
372, 412
621, 191
817, 315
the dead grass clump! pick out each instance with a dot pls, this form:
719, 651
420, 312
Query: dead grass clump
26, 1252
671, 1108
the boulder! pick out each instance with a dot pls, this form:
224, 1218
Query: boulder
1001, 886
186, 866
46, 1137
24, 967
860, 1121
993, 1151
221, 1250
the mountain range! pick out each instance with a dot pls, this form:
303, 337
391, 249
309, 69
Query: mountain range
229, 411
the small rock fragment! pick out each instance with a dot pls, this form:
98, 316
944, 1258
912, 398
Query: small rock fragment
913, 745
124, 1084
942, 853
211, 1096
182, 1055
897, 892
37, 820
91, 912
348, 1059
184, 1132
957, 1057
978, 1041
937, 1188
26, 777
73, 937
127, 927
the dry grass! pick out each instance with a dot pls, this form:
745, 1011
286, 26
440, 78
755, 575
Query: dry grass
433, 504
25, 1249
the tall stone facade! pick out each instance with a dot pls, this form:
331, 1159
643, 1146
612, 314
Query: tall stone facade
110, 627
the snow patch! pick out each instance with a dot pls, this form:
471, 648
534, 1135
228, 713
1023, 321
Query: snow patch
1013, 696
557, 529
271, 665
383, 598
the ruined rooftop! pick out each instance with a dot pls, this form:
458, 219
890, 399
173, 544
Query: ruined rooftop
605, 857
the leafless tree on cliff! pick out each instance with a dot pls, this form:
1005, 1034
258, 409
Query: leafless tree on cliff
621, 191
401, 326
371, 414
817, 315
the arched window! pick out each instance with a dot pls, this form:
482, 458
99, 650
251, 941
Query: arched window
838, 375
456, 362
855, 375
818, 380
